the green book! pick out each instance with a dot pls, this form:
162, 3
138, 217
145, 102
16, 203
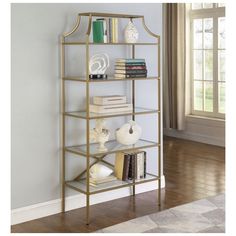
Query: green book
98, 32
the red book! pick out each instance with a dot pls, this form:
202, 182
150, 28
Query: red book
130, 68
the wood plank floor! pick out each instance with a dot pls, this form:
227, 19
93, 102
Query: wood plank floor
192, 171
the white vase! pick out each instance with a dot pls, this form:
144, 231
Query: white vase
131, 33
129, 133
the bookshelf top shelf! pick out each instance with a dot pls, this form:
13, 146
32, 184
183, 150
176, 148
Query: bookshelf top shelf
108, 15
99, 14
121, 43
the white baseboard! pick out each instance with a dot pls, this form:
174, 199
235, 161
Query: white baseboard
218, 141
40, 210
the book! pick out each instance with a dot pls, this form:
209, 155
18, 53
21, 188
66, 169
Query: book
98, 32
114, 30
130, 165
140, 157
127, 67
131, 172
107, 179
130, 64
110, 108
145, 166
104, 29
109, 100
119, 165
110, 29
126, 167
130, 76
131, 72
131, 60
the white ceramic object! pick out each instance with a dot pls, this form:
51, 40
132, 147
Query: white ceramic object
100, 134
131, 33
99, 171
129, 133
98, 64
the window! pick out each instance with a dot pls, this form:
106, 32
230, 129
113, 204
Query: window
207, 53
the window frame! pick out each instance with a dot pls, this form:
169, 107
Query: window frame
215, 13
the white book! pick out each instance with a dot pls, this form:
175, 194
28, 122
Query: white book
105, 31
109, 100
138, 166
110, 108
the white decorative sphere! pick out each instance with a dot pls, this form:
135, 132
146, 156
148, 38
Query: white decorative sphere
131, 33
129, 133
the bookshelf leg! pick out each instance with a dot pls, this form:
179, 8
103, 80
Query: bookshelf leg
63, 198
159, 192
134, 190
87, 210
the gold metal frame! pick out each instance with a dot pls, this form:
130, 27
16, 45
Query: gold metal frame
87, 117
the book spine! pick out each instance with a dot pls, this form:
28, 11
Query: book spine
124, 67
130, 64
104, 31
130, 169
109, 101
138, 166
110, 30
145, 165
107, 30
98, 31
126, 167
123, 76
114, 30
131, 60
131, 71
131, 173
141, 165
119, 163
110, 108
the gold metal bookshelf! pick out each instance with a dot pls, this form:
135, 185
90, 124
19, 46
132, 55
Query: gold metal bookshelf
89, 150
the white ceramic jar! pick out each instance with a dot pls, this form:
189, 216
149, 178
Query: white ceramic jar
131, 33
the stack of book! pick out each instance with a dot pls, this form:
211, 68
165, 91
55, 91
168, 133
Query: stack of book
130, 165
130, 68
105, 30
110, 104
96, 182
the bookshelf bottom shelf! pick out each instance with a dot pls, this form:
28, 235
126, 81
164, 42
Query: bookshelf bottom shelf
80, 186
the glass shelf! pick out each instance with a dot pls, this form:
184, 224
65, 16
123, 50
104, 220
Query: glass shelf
121, 43
137, 111
116, 184
113, 146
99, 14
109, 79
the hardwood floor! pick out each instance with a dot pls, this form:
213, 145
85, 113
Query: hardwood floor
192, 171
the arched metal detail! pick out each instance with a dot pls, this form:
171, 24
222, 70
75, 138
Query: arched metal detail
74, 28
89, 25
148, 30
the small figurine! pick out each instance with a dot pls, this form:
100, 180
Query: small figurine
98, 65
100, 134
